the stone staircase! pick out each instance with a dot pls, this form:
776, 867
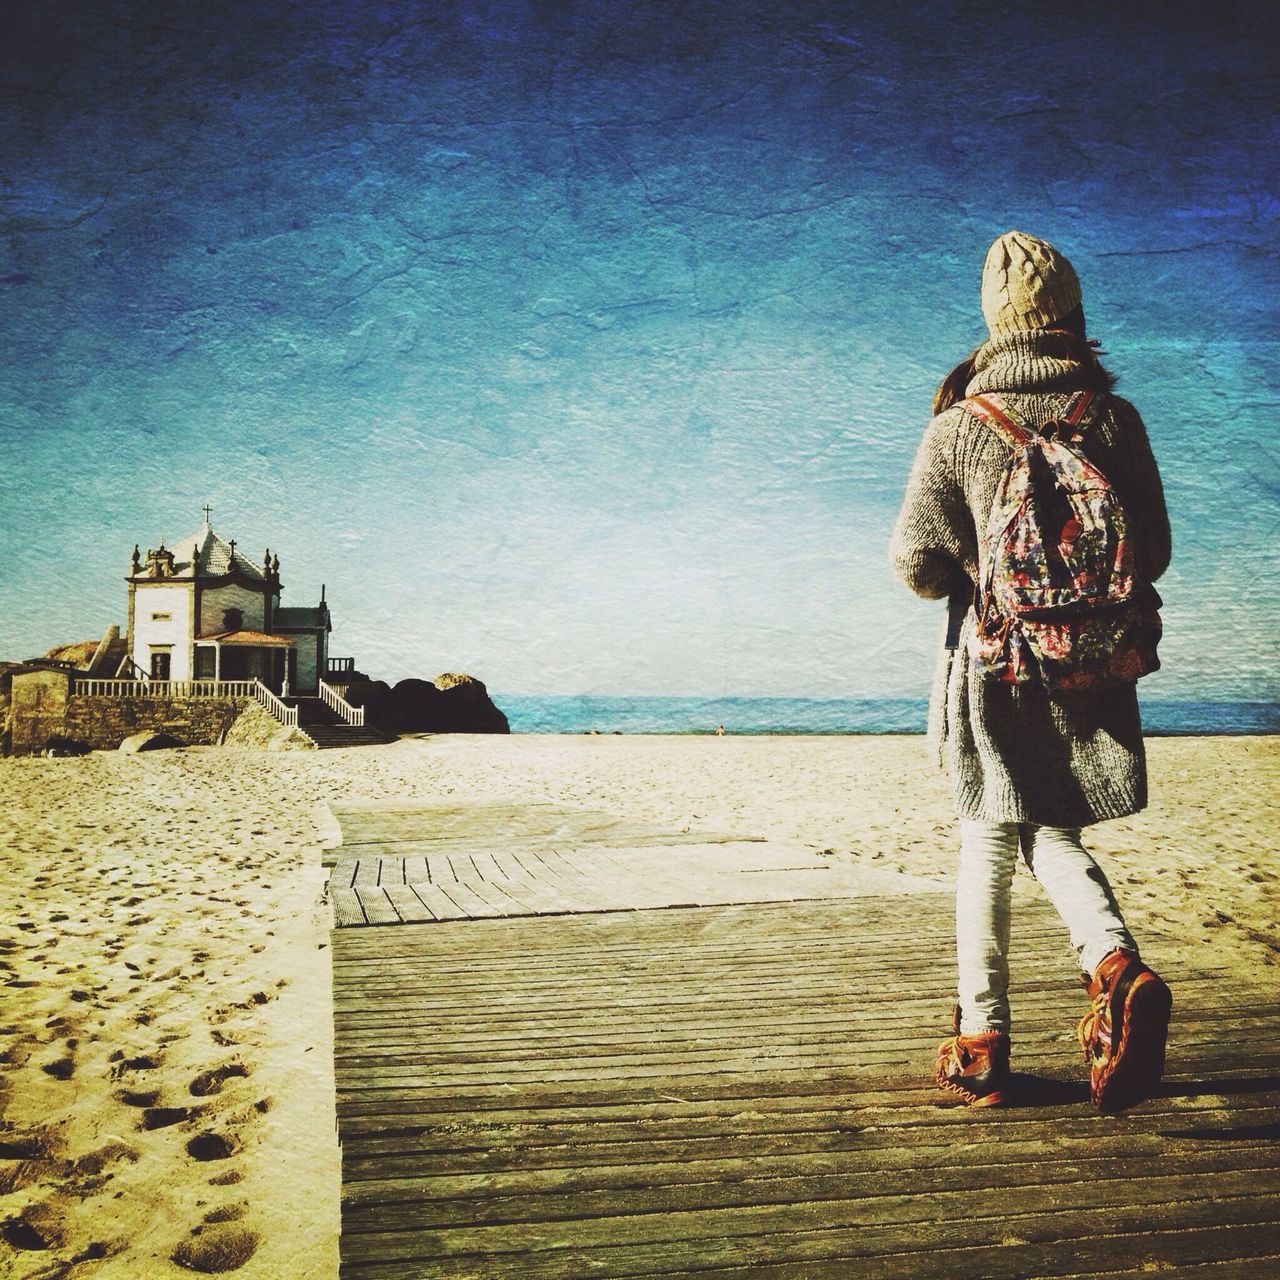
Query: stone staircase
327, 729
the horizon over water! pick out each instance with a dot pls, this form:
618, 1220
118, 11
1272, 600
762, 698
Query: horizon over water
587, 713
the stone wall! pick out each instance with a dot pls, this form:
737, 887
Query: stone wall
38, 702
43, 706
104, 723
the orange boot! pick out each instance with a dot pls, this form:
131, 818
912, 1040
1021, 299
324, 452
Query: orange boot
1123, 1035
975, 1068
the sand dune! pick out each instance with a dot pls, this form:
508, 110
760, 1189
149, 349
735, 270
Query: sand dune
165, 1048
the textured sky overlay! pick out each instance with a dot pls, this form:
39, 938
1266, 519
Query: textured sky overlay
585, 347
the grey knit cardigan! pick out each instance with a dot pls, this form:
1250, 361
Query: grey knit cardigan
1013, 753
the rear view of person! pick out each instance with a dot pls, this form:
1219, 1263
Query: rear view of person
1035, 506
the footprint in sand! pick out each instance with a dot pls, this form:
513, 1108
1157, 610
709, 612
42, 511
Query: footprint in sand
95, 1162
28, 1156
138, 1097
211, 1081
16, 1054
37, 1227
27, 1146
140, 1062
210, 1145
165, 1117
227, 1213
216, 1248
60, 1068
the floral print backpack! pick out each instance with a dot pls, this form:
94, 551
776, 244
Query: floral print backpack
1058, 597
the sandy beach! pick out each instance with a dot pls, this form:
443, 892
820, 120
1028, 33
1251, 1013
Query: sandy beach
166, 1091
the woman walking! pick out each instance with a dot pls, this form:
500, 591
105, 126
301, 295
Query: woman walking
1034, 717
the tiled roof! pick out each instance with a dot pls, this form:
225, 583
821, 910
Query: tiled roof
214, 555
256, 639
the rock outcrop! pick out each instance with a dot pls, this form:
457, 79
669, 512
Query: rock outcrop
79, 654
375, 697
467, 707
256, 727
148, 740
452, 703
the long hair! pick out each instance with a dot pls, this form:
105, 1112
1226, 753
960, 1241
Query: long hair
1065, 341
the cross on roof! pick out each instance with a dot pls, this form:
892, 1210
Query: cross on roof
207, 510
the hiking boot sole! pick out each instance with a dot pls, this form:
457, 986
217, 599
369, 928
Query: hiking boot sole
986, 1089
995, 1098
1140, 1009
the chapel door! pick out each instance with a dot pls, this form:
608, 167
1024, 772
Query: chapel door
160, 664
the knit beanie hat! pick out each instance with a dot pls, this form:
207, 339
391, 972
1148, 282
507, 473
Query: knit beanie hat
1026, 284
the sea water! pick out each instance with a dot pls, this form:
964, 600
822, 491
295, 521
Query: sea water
568, 713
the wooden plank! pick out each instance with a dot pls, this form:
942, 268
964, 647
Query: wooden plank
439, 904
543, 822
882, 1225
809, 1179
501, 896
347, 910
923, 915
1216, 1252
415, 869
551, 895
468, 898
480, 1097
429, 1150
1236, 1266
378, 908
408, 905
488, 865
668, 953
368, 872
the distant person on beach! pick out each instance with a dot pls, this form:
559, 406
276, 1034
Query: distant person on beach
1034, 482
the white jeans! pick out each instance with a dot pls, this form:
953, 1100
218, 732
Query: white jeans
1075, 884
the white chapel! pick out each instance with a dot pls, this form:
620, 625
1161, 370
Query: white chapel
201, 610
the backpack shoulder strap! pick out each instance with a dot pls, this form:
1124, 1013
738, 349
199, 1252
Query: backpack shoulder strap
1082, 411
993, 410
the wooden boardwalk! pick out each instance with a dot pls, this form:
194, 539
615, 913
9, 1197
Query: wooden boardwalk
742, 1091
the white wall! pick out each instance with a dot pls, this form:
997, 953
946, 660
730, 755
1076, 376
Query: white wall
232, 596
175, 600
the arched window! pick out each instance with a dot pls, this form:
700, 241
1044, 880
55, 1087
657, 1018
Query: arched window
232, 619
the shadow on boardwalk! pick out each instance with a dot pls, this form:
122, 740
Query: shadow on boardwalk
742, 1091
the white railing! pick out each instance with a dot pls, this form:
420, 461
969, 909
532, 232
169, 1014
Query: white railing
336, 702
164, 688
340, 666
287, 716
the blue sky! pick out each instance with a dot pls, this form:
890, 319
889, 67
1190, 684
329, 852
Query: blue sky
585, 347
